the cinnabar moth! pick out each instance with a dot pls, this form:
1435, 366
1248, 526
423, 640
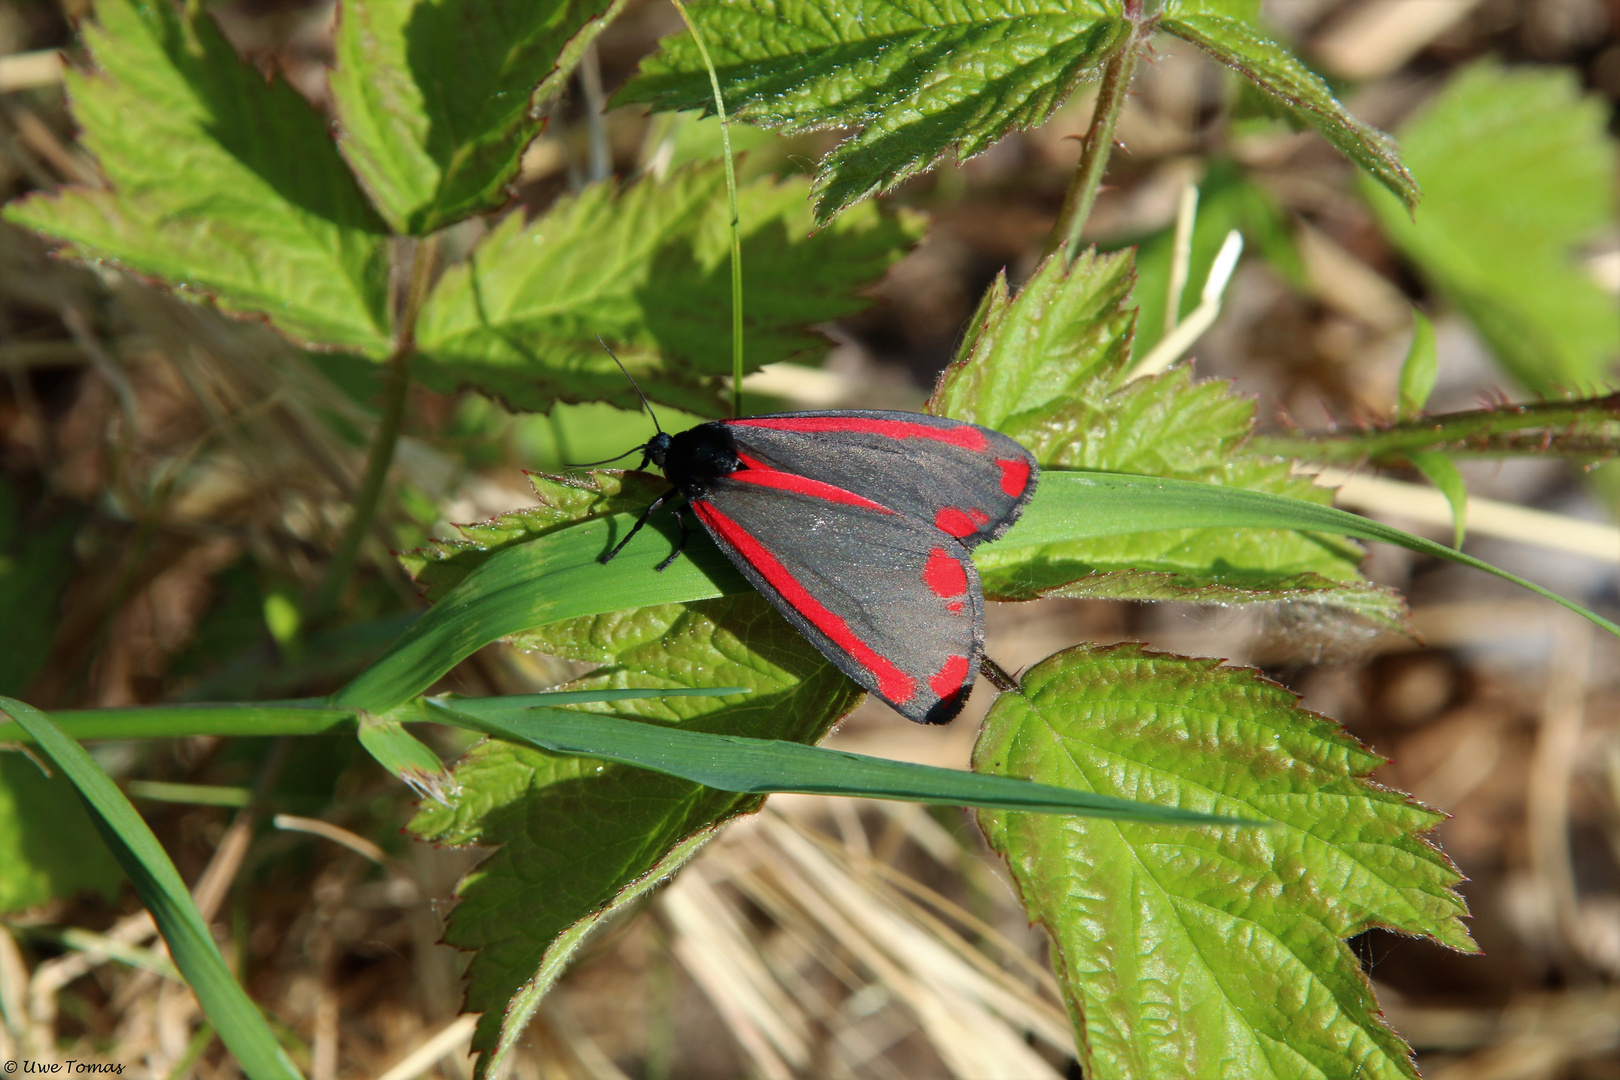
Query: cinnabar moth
857, 526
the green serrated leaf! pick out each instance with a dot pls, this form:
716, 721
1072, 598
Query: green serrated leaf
223, 185
578, 839
1420, 370
1161, 938
47, 843
919, 80
647, 269
1520, 172
1442, 472
1045, 366
437, 100
1297, 88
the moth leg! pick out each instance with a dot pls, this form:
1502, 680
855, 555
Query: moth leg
680, 545
640, 521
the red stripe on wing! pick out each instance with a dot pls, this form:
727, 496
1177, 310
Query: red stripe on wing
763, 475
964, 435
958, 522
950, 676
1014, 475
893, 683
944, 575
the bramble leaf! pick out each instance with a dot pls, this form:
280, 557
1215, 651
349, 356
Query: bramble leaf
267, 221
1047, 367
1519, 172
436, 100
646, 268
580, 839
564, 500
1162, 937
919, 80
1302, 92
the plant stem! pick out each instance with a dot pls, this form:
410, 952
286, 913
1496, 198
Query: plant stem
1584, 428
736, 231
1082, 193
396, 391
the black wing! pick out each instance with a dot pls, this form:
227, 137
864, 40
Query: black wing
890, 599
966, 480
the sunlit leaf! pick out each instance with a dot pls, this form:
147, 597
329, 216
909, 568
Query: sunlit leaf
1303, 93
435, 100
1047, 366
1164, 936
1519, 171
918, 80
647, 269
578, 840
223, 184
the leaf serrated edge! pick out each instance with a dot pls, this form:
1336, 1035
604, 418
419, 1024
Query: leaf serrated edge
1332, 731
521, 1009
1379, 146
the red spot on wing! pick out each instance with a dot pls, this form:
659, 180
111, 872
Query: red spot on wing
764, 476
1014, 475
954, 607
950, 677
955, 521
966, 436
944, 575
893, 683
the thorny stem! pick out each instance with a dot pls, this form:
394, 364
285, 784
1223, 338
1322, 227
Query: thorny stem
1582, 428
396, 391
1082, 193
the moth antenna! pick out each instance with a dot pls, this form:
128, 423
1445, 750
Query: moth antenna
604, 461
645, 403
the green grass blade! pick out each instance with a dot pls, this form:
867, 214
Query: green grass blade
528, 585
520, 703
403, 754
312, 717
763, 766
1071, 504
190, 794
191, 946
